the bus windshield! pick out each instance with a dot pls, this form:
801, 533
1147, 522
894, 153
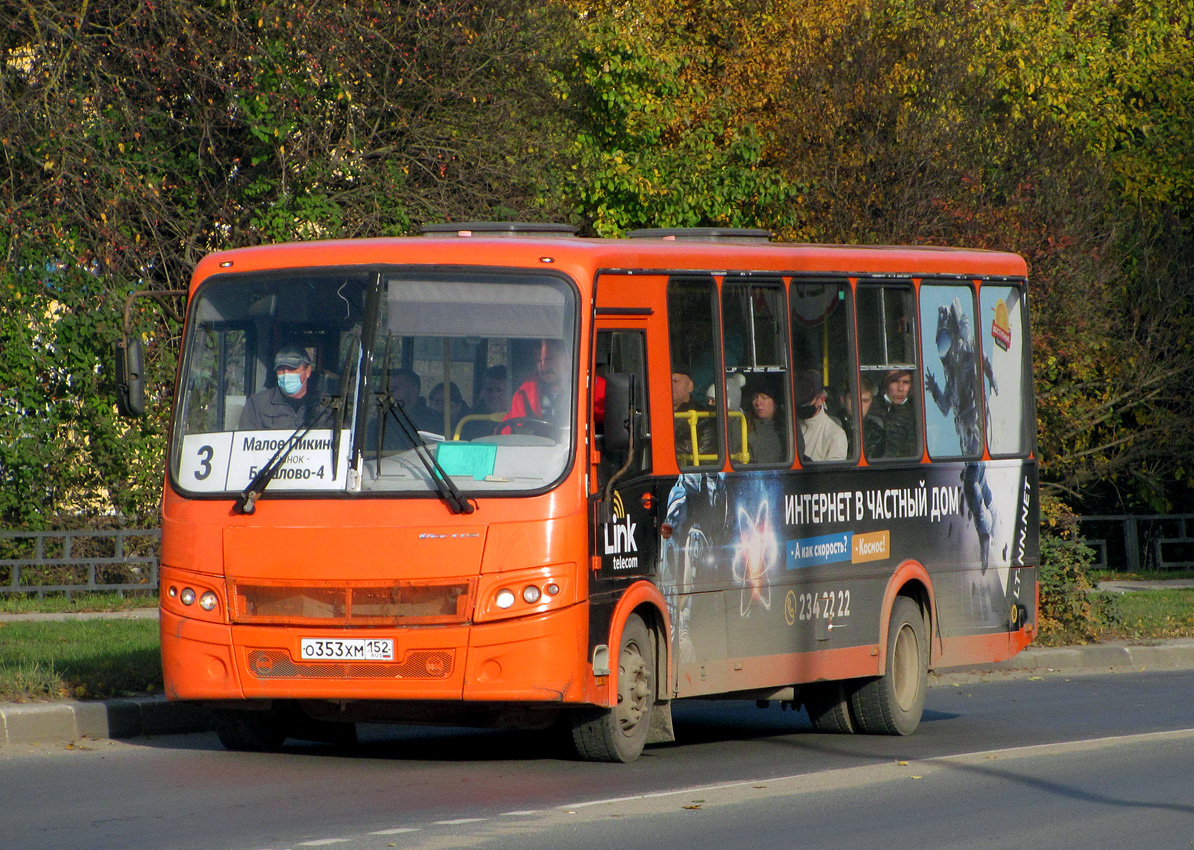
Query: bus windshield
480, 368
464, 375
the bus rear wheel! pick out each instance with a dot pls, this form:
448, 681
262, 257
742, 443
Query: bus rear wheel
828, 707
893, 703
618, 734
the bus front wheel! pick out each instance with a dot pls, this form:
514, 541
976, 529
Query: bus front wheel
619, 733
893, 703
250, 731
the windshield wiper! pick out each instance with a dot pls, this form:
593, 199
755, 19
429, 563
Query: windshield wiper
447, 489
247, 502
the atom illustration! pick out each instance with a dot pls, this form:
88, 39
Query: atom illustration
754, 555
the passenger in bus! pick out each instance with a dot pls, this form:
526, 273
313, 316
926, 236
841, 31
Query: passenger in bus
435, 401
874, 437
683, 402
823, 438
898, 414
543, 396
766, 439
405, 388
493, 398
291, 402
494, 395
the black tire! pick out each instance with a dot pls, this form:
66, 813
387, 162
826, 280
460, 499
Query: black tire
828, 706
250, 731
619, 734
893, 703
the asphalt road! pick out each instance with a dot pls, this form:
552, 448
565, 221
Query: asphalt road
1046, 760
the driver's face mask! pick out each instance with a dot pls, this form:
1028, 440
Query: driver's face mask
290, 382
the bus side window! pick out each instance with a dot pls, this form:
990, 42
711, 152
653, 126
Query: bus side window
1003, 333
823, 370
757, 379
222, 378
696, 389
887, 354
952, 366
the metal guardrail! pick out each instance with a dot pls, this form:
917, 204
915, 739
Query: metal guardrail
41, 562
1136, 542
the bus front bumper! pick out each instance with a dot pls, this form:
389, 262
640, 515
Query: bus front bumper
537, 659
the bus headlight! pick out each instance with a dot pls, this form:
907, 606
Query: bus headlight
187, 597
208, 601
521, 593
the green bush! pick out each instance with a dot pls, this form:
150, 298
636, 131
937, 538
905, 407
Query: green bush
1070, 612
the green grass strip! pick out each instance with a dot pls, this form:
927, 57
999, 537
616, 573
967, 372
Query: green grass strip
79, 659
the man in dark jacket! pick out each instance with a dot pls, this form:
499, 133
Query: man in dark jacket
289, 404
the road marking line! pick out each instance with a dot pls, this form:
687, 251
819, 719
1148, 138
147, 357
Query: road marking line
397, 831
1030, 749
324, 841
522, 814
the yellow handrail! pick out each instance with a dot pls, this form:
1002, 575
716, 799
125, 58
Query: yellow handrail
696, 458
472, 417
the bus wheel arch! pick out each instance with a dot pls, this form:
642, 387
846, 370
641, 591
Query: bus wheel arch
637, 711
619, 733
644, 600
910, 580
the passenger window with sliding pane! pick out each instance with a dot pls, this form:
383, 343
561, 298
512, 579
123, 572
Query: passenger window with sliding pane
823, 368
756, 373
696, 386
953, 412
1007, 383
887, 355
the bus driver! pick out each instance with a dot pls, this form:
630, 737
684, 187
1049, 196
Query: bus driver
287, 404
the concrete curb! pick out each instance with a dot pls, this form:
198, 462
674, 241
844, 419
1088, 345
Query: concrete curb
1151, 655
24, 723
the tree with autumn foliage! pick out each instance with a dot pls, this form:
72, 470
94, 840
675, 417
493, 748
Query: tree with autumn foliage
1061, 131
136, 137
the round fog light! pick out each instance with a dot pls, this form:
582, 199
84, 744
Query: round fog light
531, 594
208, 601
505, 598
188, 596
552, 589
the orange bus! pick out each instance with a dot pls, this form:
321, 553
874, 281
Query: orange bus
500, 474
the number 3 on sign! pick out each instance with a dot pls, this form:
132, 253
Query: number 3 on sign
205, 455
203, 464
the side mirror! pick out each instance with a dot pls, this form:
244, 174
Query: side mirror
130, 378
619, 396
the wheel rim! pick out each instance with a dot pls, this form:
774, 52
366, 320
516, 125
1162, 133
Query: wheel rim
905, 667
634, 689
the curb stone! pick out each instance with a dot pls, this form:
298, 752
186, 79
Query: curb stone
25, 723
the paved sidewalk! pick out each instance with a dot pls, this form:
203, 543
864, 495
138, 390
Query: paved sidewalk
129, 614
66, 720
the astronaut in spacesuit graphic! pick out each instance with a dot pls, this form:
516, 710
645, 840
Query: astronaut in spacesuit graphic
955, 346
697, 514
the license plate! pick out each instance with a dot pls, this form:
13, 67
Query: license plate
355, 649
